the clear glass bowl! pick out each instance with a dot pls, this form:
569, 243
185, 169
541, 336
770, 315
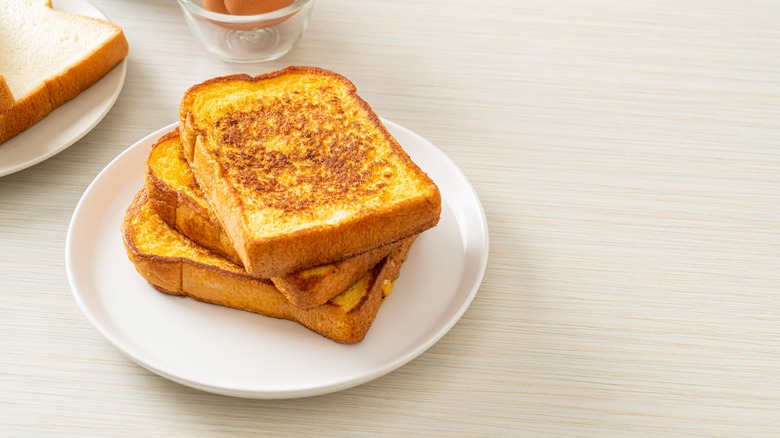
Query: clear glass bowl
248, 38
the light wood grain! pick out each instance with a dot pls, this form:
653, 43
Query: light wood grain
628, 158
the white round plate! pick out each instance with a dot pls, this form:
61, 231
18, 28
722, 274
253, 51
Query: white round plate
69, 122
242, 354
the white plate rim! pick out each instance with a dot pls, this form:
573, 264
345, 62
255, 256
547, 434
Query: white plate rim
16, 154
481, 250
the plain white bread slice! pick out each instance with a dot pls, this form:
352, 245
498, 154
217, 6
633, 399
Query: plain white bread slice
48, 57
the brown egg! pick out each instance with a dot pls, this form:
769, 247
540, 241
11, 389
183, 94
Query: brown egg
219, 6
254, 7
247, 7
215, 6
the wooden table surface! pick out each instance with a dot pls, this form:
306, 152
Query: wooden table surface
627, 155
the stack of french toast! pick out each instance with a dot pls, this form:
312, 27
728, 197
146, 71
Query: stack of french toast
281, 194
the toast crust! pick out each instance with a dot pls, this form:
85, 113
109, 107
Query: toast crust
6, 97
314, 286
173, 264
25, 111
300, 170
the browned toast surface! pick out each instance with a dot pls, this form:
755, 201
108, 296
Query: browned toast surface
299, 169
176, 265
174, 194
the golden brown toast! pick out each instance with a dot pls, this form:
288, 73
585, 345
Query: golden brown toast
176, 265
175, 196
299, 170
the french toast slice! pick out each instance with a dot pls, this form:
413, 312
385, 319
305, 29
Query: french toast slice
299, 169
175, 196
174, 264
